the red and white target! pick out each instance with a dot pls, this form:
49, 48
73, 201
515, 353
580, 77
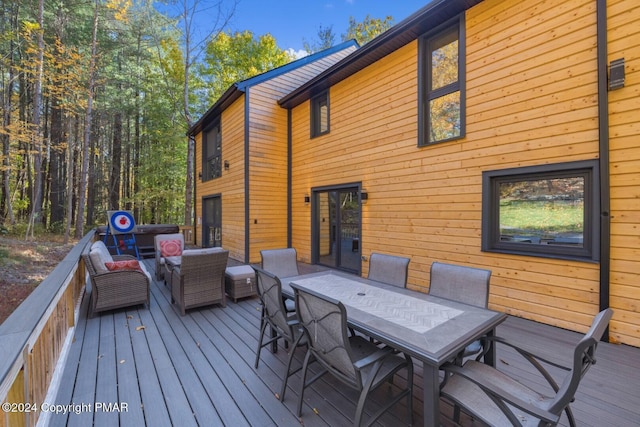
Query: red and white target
121, 221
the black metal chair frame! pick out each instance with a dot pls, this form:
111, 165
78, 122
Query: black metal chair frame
353, 360
495, 398
281, 323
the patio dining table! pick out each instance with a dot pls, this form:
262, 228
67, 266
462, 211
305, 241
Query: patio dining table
430, 329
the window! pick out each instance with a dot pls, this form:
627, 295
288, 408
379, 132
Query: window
441, 85
320, 114
549, 211
212, 153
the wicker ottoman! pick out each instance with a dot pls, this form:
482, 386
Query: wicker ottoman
240, 282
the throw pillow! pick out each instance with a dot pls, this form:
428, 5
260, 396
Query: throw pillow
170, 248
129, 264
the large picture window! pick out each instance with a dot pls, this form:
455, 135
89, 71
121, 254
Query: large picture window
549, 211
442, 85
212, 153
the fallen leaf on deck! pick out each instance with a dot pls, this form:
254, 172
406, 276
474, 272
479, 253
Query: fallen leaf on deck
139, 328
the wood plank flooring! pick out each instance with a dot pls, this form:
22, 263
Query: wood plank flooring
151, 366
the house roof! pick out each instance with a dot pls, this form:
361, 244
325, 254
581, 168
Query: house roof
420, 22
237, 89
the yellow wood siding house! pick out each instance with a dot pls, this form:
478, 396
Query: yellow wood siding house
240, 150
422, 142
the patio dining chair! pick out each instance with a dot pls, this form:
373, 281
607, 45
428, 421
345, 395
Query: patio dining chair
463, 284
282, 263
389, 269
498, 399
354, 361
281, 323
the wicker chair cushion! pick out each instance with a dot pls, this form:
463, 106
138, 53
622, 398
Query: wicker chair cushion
130, 264
100, 255
170, 248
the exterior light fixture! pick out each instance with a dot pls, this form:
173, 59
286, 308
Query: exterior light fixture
307, 199
226, 165
364, 196
616, 74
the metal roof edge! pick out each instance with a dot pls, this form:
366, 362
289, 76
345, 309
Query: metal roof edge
235, 90
409, 29
295, 64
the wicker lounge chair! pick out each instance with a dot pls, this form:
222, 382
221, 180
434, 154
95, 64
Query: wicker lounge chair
159, 255
118, 288
199, 280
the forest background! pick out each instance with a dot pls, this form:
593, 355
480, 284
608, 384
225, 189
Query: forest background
97, 97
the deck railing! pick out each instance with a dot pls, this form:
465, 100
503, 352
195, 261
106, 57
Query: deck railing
34, 337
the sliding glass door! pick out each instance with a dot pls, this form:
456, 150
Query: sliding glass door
336, 228
211, 222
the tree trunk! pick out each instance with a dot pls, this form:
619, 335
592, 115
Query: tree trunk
36, 195
6, 209
87, 130
56, 165
116, 160
70, 185
91, 182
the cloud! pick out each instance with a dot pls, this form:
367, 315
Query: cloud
300, 53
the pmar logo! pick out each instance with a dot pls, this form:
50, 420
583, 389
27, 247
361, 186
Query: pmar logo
112, 407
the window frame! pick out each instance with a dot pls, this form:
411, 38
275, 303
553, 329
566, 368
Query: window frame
207, 171
491, 242
425, 94
317, 103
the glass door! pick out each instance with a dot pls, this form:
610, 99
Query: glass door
336, 231
211, 222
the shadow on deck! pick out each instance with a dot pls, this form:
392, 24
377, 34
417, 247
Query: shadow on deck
150, 366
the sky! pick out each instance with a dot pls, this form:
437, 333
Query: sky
292, 22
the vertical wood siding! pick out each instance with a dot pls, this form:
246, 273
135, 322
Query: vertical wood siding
624, 124
531, 100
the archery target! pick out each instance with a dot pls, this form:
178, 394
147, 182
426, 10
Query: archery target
121, 222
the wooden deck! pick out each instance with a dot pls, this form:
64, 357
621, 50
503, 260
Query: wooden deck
150, 366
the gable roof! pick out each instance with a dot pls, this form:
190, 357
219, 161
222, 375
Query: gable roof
420, 22
237, 89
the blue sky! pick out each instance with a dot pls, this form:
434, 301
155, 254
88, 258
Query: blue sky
292, 22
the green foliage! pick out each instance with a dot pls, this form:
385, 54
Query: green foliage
138, 107
542, 217
365, 31
231, 58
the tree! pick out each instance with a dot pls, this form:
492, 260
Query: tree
37, 133
365, 31
219, 13
326, 39
230, 58
84, 174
